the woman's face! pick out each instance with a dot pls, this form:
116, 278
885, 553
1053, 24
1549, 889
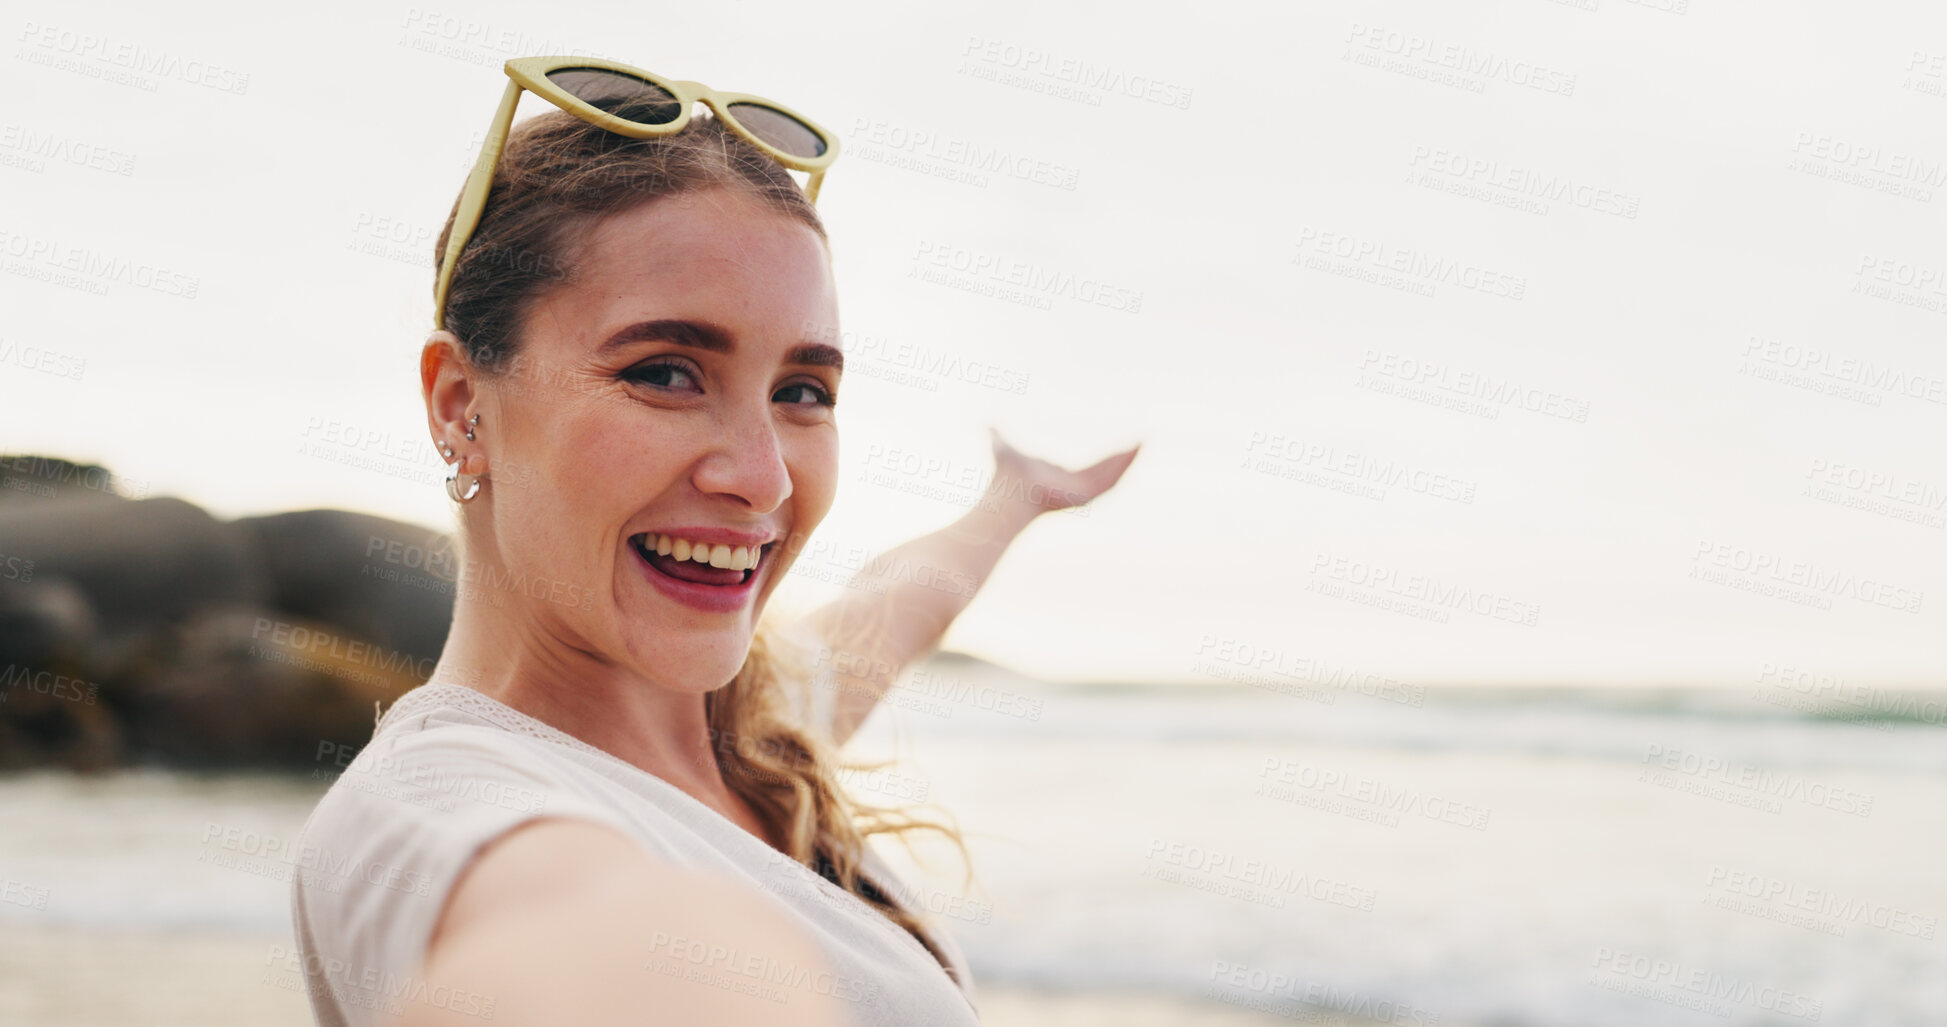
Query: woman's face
679, 386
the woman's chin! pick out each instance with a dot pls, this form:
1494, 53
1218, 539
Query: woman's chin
687, 660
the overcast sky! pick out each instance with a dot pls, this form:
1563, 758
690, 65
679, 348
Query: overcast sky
1510, 341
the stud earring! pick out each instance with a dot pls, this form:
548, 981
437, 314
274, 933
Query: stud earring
470, 426
446, 450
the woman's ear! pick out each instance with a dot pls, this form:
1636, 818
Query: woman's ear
446, 381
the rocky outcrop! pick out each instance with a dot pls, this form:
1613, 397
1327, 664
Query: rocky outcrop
147, 631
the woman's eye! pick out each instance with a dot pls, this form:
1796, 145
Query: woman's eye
659, 374
816, 393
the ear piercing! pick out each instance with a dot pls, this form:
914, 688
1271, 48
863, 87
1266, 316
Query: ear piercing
462, 493
446, 448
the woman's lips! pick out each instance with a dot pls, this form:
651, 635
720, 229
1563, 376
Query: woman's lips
712, 589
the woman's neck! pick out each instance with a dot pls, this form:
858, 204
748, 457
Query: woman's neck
662, 730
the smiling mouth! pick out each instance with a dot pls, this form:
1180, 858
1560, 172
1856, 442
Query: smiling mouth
693, 571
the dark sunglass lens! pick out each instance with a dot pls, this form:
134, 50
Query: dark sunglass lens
624, 96
779, 129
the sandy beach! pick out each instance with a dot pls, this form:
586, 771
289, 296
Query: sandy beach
1190, 877
81, 978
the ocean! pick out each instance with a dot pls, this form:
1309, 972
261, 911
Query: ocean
1513, 857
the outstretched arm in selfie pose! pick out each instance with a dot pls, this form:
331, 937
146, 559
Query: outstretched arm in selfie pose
889, 617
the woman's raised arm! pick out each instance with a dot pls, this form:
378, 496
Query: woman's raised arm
897, 607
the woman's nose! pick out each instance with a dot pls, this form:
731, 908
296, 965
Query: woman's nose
747, 462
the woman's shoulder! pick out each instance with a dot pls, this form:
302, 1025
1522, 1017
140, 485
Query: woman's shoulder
432, 769
383, 847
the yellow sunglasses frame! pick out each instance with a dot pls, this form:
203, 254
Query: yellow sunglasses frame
531, 74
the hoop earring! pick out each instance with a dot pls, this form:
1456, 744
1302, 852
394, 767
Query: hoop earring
472, 487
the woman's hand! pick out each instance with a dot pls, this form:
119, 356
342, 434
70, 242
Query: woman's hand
1037, 486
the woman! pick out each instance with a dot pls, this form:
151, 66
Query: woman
615, 801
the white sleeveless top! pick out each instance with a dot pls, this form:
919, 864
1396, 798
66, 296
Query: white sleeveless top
449, 769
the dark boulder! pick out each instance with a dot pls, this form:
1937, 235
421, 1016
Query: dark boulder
148, 631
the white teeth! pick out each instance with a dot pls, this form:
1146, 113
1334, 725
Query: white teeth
741, 558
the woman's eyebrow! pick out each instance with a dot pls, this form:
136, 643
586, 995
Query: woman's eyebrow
707, 335
817, 354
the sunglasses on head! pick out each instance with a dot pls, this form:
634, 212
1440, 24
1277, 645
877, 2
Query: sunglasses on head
629, 101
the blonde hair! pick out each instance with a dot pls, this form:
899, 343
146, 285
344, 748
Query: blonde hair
790, 771
558, 176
